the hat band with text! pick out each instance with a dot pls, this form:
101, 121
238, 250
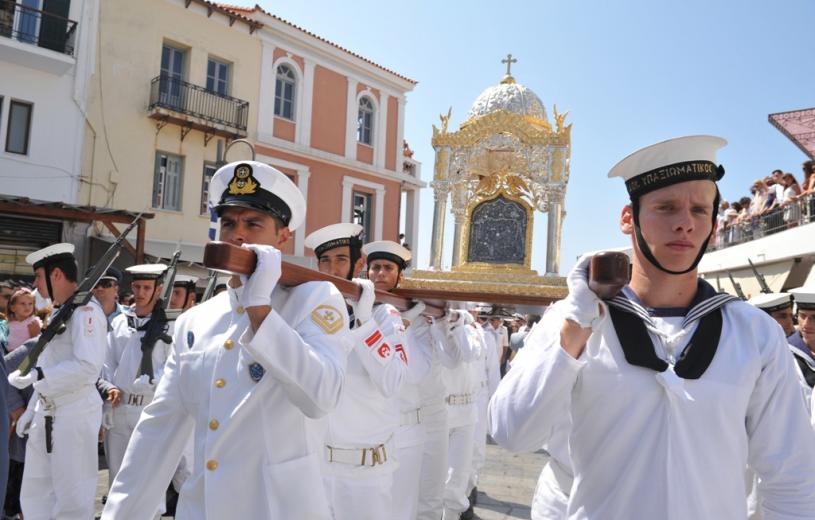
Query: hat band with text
673, 174
338, 242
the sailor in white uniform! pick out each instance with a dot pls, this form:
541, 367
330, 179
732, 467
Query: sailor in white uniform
386, 261
650, 374
65, 412
123, 362
802, 342
257, 364
183, 295
359, 459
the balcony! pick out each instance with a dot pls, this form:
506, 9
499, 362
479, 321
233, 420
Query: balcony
193, 107
36, 39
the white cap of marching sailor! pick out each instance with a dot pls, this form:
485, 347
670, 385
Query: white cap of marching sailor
258, 186
51, 253
387, 250
335, 235
804, 297
185, 279
771, 302
146, 271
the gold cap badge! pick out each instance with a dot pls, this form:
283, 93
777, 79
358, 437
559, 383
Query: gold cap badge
243, 183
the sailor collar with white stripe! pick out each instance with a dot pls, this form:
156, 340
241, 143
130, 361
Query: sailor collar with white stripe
631, 322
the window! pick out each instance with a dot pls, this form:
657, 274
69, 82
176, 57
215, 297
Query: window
209, 171
218, 77
284, 92
172, 76
19, 127
167, 181
365, 121
361, 214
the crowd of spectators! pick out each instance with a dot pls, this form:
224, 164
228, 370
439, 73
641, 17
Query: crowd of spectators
776, 202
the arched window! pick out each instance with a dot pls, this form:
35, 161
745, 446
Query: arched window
365, 121
284, 92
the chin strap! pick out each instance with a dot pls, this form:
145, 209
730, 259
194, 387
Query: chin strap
635, 208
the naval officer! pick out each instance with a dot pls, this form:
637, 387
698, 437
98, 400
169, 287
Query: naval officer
649, 375
65, 412
253, 366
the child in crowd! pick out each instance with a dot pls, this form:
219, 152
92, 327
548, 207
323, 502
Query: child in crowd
23, 324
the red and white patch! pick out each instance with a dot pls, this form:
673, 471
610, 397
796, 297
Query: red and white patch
394, 312
402, 354
373, 339
384, 351
88, 321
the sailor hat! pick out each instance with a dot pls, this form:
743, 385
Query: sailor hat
804, 297
112, 274
676, 160
185, 280
771, 302
146, 271
50, 254
258, 186
387, 250
335, 235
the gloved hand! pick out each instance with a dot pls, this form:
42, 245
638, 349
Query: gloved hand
142, 385
24, 422
412, 313
582, 305
107, 418
364, 306
439, 330
455, 316
17, 380
258, 287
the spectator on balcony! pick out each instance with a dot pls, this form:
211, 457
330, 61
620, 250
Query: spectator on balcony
733, 216
792, 211
807, 203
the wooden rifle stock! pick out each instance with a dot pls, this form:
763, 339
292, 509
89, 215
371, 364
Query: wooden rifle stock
609, 272
230, 259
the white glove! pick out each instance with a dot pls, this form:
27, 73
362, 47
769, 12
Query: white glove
412, 313
107, 418
258, 287
582, 305
24, 422
439, 330
453, 315
22, 381
363, 308
142, 385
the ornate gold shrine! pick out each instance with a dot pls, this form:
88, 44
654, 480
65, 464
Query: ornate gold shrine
505, 162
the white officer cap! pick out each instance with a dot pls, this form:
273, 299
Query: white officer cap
676, 160
146, 271
387, 250
50, 254
335, 235
771, 302
185, 279
804, 297
258, 186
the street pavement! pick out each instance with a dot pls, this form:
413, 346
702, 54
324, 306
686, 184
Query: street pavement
505, 491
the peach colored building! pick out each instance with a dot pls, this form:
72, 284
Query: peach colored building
334, 121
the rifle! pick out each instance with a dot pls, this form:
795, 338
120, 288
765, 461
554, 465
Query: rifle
79, 298
212, 281
736, 286
760, 277
159, 319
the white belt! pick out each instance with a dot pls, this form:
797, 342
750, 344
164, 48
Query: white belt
459, 399
50, 404
410, 418
433, 408
133, 399
357, 456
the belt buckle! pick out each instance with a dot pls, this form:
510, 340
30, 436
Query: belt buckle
378, 455
135, 400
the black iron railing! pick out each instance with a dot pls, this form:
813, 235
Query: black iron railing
179, 96
41, 28
795, 213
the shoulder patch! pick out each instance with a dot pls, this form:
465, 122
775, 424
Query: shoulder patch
328, 318
190, 339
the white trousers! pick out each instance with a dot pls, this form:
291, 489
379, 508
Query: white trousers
405, 495
479, 439
460, 459
125, 418
61, 485
360, 497
434, 463
552, 493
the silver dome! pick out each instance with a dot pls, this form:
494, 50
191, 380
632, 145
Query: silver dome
509, 96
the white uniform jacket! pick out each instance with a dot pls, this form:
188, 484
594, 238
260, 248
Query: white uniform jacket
459, 381
647, 446
449, 347
124, 354
248, 398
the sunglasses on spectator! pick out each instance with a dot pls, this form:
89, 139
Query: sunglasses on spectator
105, 284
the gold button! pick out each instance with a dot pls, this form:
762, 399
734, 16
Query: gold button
220, 383
212, 464
228, 344
213, 424
240, 310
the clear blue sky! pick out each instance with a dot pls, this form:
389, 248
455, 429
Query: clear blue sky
630, 73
